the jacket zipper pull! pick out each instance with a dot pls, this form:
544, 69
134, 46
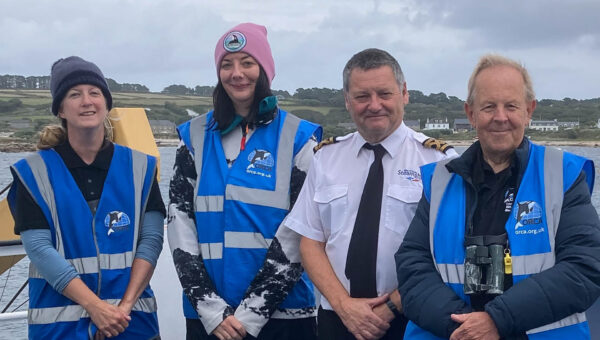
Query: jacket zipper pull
244, 133
507, 262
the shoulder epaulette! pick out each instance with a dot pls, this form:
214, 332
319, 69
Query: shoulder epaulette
437, 144
330, 140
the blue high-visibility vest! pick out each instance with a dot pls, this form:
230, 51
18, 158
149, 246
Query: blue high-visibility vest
239, 209
101, 247
531, 227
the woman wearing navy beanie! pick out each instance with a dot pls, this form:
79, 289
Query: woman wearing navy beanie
238, 171
90, 216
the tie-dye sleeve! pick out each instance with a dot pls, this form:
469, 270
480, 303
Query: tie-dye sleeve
183, 241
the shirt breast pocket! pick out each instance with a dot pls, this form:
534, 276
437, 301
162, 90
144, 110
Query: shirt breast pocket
401, 204
332, 202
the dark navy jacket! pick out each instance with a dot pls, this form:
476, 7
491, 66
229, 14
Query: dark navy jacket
571, 286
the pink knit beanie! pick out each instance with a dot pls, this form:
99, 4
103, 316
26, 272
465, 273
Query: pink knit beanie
250, 38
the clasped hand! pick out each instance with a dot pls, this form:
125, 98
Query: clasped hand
360, 319
110, 320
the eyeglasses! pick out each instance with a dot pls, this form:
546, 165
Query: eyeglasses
366, 97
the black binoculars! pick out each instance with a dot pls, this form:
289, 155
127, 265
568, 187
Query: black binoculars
484, 264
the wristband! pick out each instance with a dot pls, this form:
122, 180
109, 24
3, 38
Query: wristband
393, 308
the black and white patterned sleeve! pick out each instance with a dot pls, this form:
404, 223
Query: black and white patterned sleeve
183, 241
282, 267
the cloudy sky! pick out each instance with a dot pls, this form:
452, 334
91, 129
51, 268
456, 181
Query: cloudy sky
162, 42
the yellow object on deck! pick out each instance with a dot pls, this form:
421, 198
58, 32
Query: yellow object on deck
132, 129
7, 235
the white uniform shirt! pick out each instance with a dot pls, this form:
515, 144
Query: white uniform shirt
326, 208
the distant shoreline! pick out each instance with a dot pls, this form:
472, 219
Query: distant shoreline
589, 143
16, 146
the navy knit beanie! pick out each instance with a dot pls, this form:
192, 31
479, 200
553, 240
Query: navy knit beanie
72, 71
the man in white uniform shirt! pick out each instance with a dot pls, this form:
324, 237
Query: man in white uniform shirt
328, 205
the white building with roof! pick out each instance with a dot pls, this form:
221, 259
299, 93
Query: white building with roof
437, 124
544, 125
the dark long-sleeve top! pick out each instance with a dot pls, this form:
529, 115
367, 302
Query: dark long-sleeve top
570, 286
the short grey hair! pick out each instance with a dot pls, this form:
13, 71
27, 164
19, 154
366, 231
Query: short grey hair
490, 60
372, 58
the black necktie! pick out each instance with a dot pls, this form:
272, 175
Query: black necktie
361, 262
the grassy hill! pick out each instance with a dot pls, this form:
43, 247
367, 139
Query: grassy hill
323, 106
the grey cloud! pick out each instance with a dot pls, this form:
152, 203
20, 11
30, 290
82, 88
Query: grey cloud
523, 24
158, 43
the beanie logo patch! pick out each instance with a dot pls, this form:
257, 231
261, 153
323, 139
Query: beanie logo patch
234, 42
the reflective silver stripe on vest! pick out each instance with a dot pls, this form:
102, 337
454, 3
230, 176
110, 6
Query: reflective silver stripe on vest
211, 251
197, 132
72, 313
531, 264
248, 240
33, 272
89, 265
40, 173
568, 321
116, 261
209, 203
267, 198
140, 168
234, 239
451, 273
553, 190
440, 179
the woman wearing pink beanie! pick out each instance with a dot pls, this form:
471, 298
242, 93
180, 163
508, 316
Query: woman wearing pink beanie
238, 171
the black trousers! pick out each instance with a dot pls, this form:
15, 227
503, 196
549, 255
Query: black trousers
290, 329
330, 327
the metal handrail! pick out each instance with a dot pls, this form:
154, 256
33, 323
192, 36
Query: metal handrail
10, 243
21, 315
6, 188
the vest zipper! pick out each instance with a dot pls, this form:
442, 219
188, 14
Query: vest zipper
97, 254
99, 272
472, 209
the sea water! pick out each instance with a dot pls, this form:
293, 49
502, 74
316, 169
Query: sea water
164, 282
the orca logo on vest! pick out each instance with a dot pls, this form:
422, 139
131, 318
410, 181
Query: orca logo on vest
529, 218
234, 41
261, 163
116, 221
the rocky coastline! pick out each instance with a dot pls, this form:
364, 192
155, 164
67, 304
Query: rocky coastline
16, 146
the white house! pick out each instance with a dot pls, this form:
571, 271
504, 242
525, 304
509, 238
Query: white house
437, 124
544, 125
568, 125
